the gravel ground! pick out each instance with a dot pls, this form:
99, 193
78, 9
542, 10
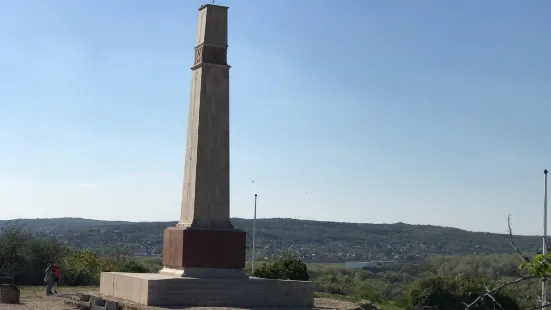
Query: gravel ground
14, 307
46, 303
38, 303
53, 303
319, 303
33, 299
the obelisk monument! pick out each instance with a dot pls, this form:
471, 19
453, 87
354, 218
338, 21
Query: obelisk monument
204, 243
203, 255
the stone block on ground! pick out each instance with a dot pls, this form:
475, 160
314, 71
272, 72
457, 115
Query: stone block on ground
111, 305
84, 297
97, 304
9, 294
77, 304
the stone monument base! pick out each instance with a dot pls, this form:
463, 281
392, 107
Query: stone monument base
190, 272
153, 289
191, 247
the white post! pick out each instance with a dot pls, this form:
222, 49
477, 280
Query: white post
544, 250
254, 234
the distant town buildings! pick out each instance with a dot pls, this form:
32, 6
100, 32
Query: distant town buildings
376, 264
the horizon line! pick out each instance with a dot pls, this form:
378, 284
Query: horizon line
270, 218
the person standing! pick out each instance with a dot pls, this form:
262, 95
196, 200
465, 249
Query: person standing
49, 278
57, 276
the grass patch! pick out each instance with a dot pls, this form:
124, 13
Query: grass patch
314, 266
353, 299
40, 291
150, 260
391, 307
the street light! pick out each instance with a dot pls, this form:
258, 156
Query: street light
254, 234
544, 250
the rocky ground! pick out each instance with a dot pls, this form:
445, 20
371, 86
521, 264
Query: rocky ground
33, 298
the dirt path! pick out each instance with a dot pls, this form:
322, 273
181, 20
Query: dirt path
33, 298
56, 303
14, 307
319, 304
47, 303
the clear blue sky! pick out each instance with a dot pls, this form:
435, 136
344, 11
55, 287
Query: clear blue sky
426, 112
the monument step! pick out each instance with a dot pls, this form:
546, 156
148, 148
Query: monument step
162, 290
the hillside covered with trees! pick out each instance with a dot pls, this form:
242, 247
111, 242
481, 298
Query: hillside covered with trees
308, 240
472, 281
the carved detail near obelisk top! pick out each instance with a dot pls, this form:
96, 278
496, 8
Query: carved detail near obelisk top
213, 55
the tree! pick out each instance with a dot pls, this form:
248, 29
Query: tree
287, 267
83, 268
13, 240
115, 258
25, 257
40, 253
452, 293
368, 291
147, 247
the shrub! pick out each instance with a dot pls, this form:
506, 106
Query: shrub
288, 267
25, 257
134, 266
451, 293
368, 291
82, 268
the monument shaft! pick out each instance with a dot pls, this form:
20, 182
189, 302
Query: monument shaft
206, 190
204, 243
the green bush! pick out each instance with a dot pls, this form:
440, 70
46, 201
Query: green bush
288, 267
82, 267
452, 293
24, 257
134, 266
368, 291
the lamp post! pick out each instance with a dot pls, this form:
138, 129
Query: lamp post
254, 235
544, 250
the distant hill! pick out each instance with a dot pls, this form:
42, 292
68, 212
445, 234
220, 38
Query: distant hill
310, 240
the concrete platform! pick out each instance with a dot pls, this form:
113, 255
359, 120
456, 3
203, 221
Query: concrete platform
153, 289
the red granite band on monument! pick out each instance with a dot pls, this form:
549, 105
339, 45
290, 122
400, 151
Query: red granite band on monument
204, 248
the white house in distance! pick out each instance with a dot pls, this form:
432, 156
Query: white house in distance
369, 265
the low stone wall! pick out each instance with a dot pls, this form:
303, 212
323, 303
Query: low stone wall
88, 302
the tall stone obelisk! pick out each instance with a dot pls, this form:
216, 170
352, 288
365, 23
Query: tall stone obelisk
204, 243
206, 191
204, 246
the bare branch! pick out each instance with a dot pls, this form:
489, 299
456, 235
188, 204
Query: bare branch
494, 290
489, 293
497, 303
538, 307
524, 258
